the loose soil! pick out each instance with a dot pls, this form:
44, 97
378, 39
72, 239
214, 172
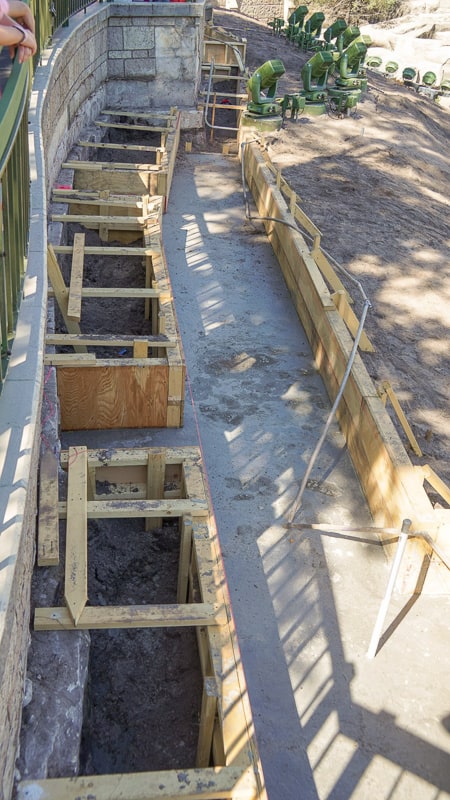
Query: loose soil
377, 185
140, 707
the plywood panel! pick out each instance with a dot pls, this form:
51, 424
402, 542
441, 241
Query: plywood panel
111, 397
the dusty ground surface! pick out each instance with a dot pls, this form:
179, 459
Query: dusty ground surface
377, 184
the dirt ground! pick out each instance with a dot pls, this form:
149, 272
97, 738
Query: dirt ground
377, 185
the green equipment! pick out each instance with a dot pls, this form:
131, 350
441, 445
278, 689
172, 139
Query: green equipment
390, 68
333, 32
265, 79
409, 76
347, 37
294, 103
352, 74
374, 62
311, 31
340, 102
295, 23
427, 86
277, 25
314, 76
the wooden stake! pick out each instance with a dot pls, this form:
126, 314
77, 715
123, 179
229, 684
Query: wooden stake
75, 584
436, 482
62, 295
185, 558
156, 469
48, 536
76, 278
207, 717
140, 348
388, 390
351, 320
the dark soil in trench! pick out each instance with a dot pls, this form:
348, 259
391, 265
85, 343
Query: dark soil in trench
141, 705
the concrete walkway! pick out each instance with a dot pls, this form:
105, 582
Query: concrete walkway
329, 722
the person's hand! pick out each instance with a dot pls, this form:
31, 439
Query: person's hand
23, 53
26, 48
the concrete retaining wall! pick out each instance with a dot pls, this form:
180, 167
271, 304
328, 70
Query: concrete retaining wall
262, 10
138, 56
83, 71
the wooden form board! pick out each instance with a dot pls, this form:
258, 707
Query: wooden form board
227, 763
125, 229
138, 392
122, 178
393, 489
93, 202
215, 35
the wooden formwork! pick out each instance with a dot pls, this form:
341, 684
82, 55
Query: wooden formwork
154, 484
143, 389
223, 48
393, 487
140, 178
124, 218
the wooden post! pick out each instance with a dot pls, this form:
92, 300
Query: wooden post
76, 278
156, 467
185, 559
48, 536
75, 583
387, 388
140, 348
351, 320
62, 295
207, 717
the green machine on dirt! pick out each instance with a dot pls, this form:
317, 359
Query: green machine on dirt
350, 65
294, 103
347, 37
262, 88
311, 31
333, 32
314, 76
295, 23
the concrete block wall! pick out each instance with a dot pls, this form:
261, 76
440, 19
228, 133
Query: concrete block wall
139, 55
157, 46
262, 10
70, 86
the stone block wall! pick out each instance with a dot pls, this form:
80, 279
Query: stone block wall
262, 10
157, 46
131, 56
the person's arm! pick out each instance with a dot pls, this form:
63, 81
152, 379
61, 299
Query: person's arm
17, 10
17, 30
13, 34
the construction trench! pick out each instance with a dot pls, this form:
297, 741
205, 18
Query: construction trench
208, 640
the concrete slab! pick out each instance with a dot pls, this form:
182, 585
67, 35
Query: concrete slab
329, 722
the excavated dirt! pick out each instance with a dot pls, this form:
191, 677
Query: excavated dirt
139, 709
377, 184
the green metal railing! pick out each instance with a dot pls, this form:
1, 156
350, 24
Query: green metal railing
62, 10
15, 170
14, 196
